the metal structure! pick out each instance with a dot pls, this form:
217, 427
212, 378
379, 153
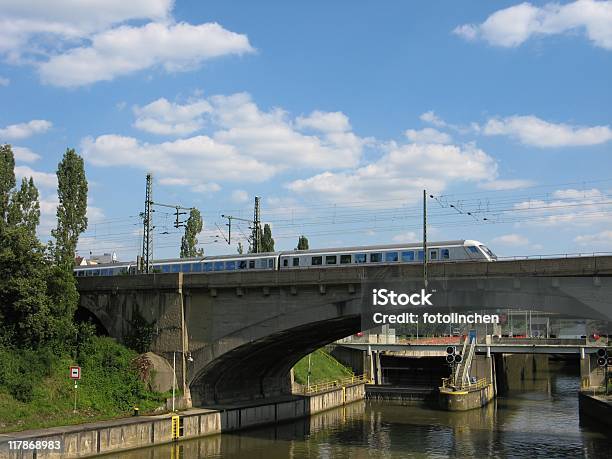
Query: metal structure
425, 239
147, 237
256, 238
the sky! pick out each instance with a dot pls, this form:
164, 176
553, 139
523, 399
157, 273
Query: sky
337, 114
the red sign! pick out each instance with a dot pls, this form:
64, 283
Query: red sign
75, 372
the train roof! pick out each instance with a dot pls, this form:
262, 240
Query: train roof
413, 245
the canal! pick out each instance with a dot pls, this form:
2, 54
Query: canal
535, 418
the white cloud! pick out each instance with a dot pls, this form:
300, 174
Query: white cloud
41, 179
497, 185
168, 118
126, 49
324, 122
4, 81
408, 236
566, 208
514, 240
431, 118
24, 130
597, 239
190, 162
53, 23
401, 174
531, 130
240, 196
511, 27
428, 135
25, 155
270, 136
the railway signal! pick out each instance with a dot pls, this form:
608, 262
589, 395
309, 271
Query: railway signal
603, 358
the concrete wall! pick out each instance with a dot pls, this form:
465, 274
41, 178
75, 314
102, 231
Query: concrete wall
591, 374
466, 400
130, 433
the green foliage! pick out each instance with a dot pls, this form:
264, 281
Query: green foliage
24, 208
267, 243
7, 180
323, 367
240, 249
72, 209
37, 299
141, 333
189, 241
302, 243
35, 390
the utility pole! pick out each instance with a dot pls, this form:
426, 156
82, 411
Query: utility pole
228, 239
147, 236
256, 242
425, 239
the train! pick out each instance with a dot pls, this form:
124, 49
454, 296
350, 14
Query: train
438, 252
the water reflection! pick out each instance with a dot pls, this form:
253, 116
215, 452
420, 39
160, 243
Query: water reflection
540, 419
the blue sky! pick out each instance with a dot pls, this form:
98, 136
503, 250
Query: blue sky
337, 114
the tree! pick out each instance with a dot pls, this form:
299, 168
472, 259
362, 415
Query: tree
240, 249
267, 243
24, 208
7, 180
72, 209
302, 243
189, 241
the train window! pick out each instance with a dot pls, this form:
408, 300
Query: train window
472, 248
175, 268
433, 254
219, 265
230, 265
445, 254
487, 251
251, 264
296, 261
242, 264
270, 262
375, 257
186, 268
391, 256
196, 268
344, 259
420, 255
96, 272
208, 267
408, 256
285, 262
331, 259
360, 258
316, 261
165, 268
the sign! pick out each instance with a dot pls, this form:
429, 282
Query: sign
75, 372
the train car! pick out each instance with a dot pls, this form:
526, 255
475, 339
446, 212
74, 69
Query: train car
445, 251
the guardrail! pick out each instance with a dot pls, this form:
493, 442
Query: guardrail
480, 384
328, 385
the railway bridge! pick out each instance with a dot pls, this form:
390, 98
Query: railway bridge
237, 335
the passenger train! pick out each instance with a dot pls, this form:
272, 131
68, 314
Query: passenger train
447, 251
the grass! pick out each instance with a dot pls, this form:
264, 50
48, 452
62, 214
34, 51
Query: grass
36, 392
323, 367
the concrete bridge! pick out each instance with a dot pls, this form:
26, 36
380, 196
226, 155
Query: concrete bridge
238, 334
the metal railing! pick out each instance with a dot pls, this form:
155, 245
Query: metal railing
554, 255
447, 383
328, 385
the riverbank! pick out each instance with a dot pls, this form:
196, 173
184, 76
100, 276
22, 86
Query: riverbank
139, 432
596, 407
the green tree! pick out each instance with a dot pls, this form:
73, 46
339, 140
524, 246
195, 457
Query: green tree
240, 249
267, 243
7, 180
302, 243
24, 208
37, 298
72, 209
189, 241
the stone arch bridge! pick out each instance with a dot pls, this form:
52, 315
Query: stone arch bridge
237, 335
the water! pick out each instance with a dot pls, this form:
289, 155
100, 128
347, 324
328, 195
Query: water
540, 419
